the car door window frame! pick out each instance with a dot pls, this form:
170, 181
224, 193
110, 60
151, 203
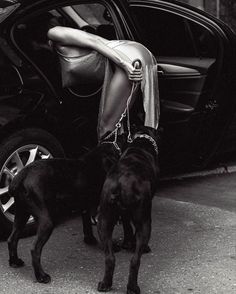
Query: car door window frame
29, 14
186, 19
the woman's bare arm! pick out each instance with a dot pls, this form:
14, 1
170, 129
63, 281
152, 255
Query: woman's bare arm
74, 37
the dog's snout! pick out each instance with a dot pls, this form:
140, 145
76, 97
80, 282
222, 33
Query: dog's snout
114, 198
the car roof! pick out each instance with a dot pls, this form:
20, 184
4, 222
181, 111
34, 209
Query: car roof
4, 3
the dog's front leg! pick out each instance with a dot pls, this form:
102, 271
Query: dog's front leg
143, 232
21, 218
105, 228
45, 228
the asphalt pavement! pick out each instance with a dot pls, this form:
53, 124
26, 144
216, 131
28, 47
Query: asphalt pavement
193, 247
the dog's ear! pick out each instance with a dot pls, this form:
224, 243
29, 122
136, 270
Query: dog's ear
107, 163
109, 156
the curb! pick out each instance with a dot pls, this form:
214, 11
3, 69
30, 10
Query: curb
216, 171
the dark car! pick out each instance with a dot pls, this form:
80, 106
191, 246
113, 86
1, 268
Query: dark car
41, 119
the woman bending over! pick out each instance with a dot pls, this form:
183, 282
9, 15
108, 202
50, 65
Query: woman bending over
97, 58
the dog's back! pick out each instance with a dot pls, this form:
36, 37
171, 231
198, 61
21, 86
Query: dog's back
134, 177
53, 179
51, 174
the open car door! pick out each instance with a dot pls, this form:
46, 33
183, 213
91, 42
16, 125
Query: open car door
188, 56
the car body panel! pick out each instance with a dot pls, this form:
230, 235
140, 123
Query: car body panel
195, 111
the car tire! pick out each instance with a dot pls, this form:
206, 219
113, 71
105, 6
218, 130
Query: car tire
16, 151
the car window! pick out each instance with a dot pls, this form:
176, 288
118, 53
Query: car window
205, 41
97, 17
7, 8
31, 33
168, 34
92, 13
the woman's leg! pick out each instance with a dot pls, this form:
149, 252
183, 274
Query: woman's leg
118, 92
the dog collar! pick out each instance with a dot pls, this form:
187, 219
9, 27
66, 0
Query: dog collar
149, 138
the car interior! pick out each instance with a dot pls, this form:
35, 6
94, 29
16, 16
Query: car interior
186, 54
186, 51
31, 37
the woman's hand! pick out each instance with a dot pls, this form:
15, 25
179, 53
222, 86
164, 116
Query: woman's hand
134, 74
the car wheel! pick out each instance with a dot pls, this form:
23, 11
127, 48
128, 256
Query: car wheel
18, 150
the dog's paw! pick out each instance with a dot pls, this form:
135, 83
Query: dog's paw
103, 287
90, 240
16, 262
45, 278
116, 246
146, 249
133, 290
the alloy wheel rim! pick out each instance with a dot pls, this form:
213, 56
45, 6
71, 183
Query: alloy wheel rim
14, 163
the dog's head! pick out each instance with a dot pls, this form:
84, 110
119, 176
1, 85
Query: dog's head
109, 155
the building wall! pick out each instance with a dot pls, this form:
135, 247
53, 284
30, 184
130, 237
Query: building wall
210, 6
226, 9
228, 12
198, 3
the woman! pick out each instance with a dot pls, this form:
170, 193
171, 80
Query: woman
89, 52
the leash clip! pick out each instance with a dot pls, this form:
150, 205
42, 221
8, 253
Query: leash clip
118, 125
117, 147
129, 138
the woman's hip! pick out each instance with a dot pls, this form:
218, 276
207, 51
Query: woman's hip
133, 50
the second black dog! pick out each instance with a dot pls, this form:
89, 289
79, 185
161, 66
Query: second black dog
39, 186
127, 192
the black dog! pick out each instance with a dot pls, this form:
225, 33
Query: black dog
127, 192
37, 188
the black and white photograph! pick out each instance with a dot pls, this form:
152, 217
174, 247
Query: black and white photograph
118, 146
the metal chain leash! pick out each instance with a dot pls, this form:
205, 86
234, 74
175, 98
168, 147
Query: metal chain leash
118, 125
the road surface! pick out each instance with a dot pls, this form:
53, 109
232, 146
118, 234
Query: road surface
193, 247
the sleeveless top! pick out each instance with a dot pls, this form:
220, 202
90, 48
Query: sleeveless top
94, 67
82, 69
